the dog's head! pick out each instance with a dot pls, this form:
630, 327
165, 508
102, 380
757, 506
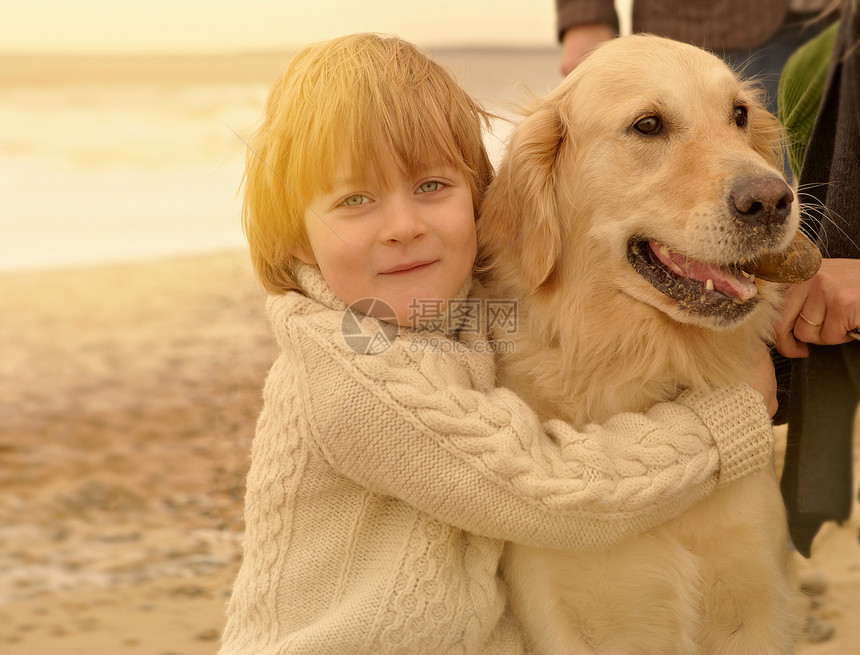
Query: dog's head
653, 169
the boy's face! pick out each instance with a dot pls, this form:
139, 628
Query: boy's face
410, 243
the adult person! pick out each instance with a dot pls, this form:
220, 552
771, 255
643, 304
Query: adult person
820, 323
755, 37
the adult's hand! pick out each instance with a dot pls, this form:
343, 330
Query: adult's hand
579, 40
823, 310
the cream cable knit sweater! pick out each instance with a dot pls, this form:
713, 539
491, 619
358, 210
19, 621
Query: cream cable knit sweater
382, 489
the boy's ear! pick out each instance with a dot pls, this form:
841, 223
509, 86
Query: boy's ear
303, 253
519, 219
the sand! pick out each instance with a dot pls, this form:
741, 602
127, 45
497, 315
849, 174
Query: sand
129, 395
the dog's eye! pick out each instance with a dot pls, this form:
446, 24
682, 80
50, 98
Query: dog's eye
740, 116
649, 125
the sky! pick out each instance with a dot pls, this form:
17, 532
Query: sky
97, 26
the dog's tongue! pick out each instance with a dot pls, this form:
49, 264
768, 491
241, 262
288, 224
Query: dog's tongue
732, 284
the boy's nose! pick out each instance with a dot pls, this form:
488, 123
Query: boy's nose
402, 222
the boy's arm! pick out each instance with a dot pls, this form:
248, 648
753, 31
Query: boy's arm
482, 461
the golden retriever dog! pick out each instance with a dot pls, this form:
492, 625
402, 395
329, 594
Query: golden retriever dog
629, 210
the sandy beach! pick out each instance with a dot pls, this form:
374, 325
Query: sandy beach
129, 395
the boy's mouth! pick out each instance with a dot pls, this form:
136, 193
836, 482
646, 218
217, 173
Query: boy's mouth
408, 268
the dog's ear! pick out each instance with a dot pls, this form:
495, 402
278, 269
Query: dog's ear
519, 220
767, 133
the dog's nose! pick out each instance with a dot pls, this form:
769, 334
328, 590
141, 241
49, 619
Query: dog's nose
760, 200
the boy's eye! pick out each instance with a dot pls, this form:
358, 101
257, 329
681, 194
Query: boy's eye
430, 187
356, 200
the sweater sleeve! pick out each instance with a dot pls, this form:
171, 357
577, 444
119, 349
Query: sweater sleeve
405, 424
570, 13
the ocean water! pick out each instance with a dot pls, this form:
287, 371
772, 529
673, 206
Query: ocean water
106, 159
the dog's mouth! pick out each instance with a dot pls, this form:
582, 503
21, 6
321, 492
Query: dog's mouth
726, 293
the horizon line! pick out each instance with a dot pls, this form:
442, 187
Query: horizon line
244, 51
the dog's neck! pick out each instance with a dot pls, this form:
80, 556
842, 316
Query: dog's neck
587, 355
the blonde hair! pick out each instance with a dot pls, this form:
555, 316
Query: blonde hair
369, 97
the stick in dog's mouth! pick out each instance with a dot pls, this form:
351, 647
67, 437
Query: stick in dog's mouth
797, 263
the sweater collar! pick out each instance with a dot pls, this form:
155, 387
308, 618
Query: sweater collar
311, 279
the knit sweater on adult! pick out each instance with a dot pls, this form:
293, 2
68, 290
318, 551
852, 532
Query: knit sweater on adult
382, 489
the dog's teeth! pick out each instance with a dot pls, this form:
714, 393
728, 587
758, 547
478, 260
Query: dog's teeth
664, 251
709, 285
752, 278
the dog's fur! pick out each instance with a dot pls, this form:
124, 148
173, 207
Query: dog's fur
578, 184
